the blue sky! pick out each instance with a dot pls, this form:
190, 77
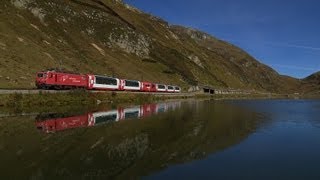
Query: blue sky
284, 34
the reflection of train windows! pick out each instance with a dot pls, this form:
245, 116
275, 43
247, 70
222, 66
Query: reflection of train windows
161, 108
105, 117
131, 113
175, 105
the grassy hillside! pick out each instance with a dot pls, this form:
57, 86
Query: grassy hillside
112, 38
311, 84
314, 78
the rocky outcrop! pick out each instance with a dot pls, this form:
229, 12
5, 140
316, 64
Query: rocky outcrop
130, 42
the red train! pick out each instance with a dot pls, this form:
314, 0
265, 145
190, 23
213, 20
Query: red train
54, 122
62, 80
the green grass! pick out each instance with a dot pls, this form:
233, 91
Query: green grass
83, 100
72, 98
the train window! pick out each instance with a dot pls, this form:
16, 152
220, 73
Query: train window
131, 83
106, 80
105, 119
40, 75
170, 87
160, 86
177, 88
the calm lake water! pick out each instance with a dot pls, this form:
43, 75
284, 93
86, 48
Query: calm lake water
256, 139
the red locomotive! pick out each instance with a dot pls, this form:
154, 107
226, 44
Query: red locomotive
52, 79
60, 80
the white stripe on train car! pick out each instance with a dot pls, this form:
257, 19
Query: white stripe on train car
131, 88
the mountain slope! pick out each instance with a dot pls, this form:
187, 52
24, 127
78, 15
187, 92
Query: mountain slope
311, 84
112, 38
314, 78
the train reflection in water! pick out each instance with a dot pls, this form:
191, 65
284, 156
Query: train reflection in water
59, 122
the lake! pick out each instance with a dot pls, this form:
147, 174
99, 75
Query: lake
207, 139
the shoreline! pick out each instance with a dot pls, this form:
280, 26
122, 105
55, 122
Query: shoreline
45, 101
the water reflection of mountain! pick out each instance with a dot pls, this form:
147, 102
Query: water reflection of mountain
54, 122
123, 150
